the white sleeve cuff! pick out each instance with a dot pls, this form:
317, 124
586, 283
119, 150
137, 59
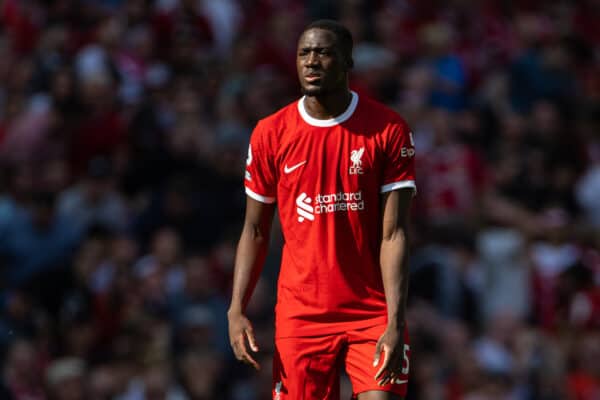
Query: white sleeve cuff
399, 185
259, 197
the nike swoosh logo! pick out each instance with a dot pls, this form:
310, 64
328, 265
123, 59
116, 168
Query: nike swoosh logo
287, 169
400, 381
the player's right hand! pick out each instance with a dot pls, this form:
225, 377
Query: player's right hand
240, 331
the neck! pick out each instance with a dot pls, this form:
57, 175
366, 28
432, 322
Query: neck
329, 105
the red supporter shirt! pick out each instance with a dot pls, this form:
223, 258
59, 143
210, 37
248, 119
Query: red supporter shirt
327, 176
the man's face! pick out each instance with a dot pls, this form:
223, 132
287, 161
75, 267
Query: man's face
322, 67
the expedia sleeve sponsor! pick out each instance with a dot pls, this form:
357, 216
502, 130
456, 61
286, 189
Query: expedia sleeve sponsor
399, 161
407, 152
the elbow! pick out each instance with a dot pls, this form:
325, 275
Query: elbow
256, 233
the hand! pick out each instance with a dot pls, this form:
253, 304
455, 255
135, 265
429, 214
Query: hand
240, 331
391, 343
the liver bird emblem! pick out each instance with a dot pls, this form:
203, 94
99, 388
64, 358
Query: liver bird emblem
355, 157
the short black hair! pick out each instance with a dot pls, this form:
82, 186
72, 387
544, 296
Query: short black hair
343, 35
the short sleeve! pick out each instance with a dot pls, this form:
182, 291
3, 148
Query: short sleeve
259, 178
399, 165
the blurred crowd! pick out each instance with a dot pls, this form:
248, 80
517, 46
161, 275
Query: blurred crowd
124, 126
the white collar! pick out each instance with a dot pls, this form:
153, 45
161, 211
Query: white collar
332, 121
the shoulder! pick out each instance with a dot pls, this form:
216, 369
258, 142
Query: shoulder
387, 120
382, 109
279, 118
269, 132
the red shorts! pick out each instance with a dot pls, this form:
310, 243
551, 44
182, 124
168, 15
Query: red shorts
308, 368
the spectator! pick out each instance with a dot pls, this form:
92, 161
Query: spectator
38, 242
199, 304
65, 378
95, 201
23, 371
155, 382
101, 383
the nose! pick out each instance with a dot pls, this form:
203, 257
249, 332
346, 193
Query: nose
311, 59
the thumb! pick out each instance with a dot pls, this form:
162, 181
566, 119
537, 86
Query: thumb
377, 355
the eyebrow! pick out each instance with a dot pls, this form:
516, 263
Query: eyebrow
316, 48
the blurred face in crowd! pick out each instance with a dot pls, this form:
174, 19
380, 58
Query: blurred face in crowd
140, 42
55, 174
22, 182
200, 371
187, 101
137, 10
79, 337
110, 32
166, 246
589, 354
124, 250
63, 85
156, 381
199, 280
21, 364
72, 388
97, 92
97, 188
443, 127
322, 66
102, 383
42, 210
546, 119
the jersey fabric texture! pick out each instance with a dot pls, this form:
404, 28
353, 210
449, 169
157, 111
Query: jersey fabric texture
326, 177
310, 367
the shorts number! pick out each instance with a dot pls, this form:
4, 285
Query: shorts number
406, 360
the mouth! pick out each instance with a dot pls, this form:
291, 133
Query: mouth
312, 78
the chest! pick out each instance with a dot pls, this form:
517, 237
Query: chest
333, 158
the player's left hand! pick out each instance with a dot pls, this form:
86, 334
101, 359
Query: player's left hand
391, 343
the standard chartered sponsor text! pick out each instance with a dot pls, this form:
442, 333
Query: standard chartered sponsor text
327, 203
341, 201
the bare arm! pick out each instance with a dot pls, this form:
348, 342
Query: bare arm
394, 272
250, 256
393, 257
251, 252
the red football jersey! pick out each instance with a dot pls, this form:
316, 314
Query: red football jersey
327, 176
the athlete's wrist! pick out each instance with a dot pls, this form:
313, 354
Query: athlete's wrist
235, 310
397, 323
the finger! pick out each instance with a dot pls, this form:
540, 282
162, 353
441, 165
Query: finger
392, 377
385, 380
237, 350
388, 378
240, 347
386, 360
245, 356
377, 355
251, 340
251, 361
